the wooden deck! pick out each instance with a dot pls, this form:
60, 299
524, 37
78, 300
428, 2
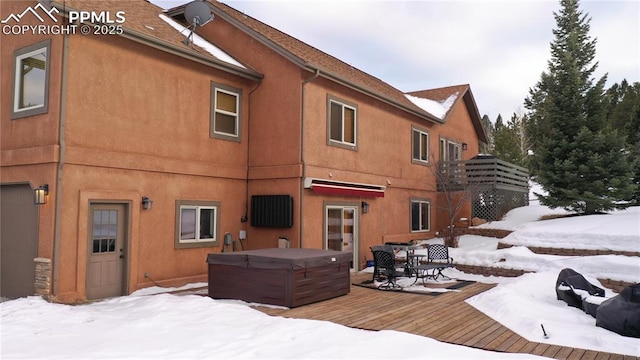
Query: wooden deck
445, 317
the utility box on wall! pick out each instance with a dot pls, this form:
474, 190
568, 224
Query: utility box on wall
272, 211
283, 243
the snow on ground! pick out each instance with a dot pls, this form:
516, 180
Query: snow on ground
523, 304
167, 326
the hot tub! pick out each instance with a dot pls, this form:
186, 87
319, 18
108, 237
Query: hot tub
285, 277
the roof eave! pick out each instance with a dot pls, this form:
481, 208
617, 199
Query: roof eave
247, 30
193, 56
336, 78
475, 116
310, 67
175, 50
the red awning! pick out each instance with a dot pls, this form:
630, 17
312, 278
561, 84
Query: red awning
342, 190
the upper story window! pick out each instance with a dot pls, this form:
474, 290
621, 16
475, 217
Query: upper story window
225, 112
450, 151
196, 224
342, 124
31, 80
420, 145
420, 215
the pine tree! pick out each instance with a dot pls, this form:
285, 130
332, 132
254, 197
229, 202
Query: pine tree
627, 114
635, 152
624, 115
505, 143
624, 104
510, 140
580, 161
615, 95
488, 129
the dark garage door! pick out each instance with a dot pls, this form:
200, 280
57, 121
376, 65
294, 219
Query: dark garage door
18, 240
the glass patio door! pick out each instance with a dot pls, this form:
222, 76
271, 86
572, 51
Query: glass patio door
341, 230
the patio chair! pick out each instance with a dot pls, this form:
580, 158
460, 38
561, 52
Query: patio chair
376, 271
438, 259
385, 264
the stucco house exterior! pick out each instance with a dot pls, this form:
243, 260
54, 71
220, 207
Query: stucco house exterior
156, 151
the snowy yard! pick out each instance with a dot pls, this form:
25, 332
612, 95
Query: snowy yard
164, 326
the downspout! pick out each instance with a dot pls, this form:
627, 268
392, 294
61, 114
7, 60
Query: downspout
302, 157
58, 207
245, 218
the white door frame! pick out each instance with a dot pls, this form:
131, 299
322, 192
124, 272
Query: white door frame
355, 232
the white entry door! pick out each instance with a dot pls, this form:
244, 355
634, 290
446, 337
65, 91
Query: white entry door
341, 230
106, 251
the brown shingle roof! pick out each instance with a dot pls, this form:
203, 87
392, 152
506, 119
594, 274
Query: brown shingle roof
441, 94
143, 23
464, 93
309, 57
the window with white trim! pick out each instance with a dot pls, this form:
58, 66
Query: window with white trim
450, 150
225, 112
196, 224
420, 145
31, 80
420, 215
342, 123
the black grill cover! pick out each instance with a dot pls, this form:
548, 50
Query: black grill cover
621, 313
568, 280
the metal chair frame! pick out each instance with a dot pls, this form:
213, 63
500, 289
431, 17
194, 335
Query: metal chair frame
437, 260
385, 264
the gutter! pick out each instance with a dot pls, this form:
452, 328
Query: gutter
193, 56
63, 150
310, 67
336, 78
176, 50
302, 157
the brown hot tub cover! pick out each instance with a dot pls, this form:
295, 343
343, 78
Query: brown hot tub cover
278, 258
284, 277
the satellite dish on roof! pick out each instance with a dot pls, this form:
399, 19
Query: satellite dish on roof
197, 13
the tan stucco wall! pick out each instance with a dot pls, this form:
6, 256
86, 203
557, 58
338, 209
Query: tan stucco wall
31, 140
380, 128
458, 128
136, 123
275, 164
145, 132
383, 158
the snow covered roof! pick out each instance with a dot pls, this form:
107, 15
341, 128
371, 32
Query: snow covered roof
201, 42
441, 101
146, 24
434, 107
313, 59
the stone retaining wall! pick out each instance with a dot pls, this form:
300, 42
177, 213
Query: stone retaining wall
490, 271
571, 252
615, 285
42, 283
496, 233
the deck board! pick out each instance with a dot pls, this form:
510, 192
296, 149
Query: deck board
446, 317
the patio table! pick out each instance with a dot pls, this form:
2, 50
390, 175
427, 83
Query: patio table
413, 260
409, 249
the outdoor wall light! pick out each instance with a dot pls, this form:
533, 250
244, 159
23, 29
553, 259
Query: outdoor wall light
40, 194
464, 146
146, 203
365, 207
